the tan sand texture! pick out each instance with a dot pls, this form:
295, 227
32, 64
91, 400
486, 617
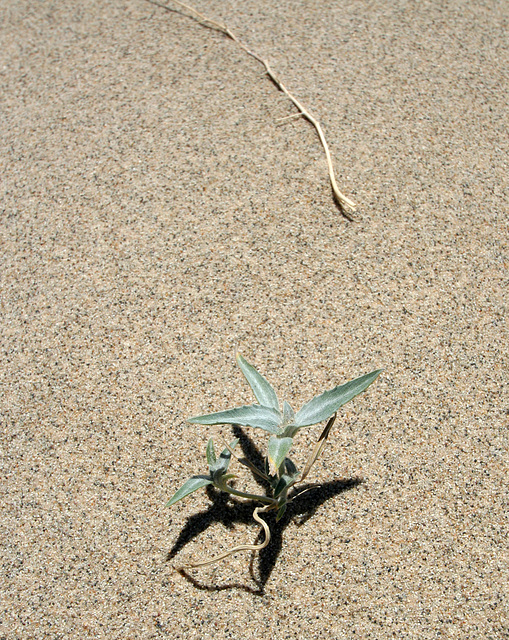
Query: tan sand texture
155, 214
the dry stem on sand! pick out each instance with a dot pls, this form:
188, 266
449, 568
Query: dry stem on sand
343, 202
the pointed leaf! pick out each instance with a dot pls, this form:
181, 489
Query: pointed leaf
277, 450
284, 483
325, 405
222, 463
211, 454
193, 484
288, 414
281, 512
253, 415
263, 390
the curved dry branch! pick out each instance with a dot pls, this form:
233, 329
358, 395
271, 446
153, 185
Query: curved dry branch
343, 202
242, 547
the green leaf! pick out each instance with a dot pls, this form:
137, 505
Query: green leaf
288, 414
193, 484
325, 405
284, 483
277, 451
261, 387
211, 454
290, 468
281, 512
253, 415
221, 464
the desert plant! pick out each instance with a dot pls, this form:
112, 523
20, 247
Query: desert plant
282, 423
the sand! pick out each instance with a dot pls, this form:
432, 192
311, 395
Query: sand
156, 214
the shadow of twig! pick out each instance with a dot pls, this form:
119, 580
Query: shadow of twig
299, 511
211, 588
224, 509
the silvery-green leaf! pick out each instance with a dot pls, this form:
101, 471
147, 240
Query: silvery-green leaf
253, 415
211, 454
277, 451
288, 414
289, 431
325, 405
193, 484
221, 464
261, 387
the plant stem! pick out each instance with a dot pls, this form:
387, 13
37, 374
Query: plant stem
248, 496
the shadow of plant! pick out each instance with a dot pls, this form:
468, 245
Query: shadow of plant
228, 511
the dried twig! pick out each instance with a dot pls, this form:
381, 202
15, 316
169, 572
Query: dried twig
343, 202
318, 448
242, 547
